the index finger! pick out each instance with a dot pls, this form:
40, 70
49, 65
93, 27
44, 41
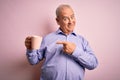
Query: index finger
62, 42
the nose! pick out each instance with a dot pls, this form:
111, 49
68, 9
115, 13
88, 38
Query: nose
70, 20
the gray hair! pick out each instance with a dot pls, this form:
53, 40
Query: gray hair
60, 7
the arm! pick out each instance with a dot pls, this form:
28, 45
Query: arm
34, 56
85, 56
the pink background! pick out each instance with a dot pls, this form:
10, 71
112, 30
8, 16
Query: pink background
97, 20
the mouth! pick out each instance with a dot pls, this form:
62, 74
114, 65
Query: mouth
70, 25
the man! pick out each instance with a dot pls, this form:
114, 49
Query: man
66, 53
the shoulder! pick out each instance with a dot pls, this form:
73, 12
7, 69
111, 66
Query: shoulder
49, 36
80, 36
83, 39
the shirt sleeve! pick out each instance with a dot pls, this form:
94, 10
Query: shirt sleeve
85, 56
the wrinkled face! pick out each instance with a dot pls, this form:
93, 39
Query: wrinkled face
66, 20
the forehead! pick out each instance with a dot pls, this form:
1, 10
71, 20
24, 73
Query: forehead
66, 12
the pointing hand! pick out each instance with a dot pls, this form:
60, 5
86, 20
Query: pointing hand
68, 47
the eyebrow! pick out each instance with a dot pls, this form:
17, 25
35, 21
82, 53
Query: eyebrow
67, 16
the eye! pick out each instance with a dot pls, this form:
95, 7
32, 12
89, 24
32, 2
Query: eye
65, 19
72, 17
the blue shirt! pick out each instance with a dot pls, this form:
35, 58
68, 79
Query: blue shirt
59, 65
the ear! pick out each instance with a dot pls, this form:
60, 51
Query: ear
57, 20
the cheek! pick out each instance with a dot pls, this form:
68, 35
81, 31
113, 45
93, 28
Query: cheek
74, 22
64, 23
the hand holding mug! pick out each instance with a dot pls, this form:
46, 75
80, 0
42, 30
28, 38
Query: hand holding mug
33, 42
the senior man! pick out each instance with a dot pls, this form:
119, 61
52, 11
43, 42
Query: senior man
66, 53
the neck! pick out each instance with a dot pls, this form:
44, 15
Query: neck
65, 32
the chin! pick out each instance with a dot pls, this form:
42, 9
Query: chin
70, 30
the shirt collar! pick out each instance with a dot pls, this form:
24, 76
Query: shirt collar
60, 32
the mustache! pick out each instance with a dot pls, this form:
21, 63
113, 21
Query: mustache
71, 24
